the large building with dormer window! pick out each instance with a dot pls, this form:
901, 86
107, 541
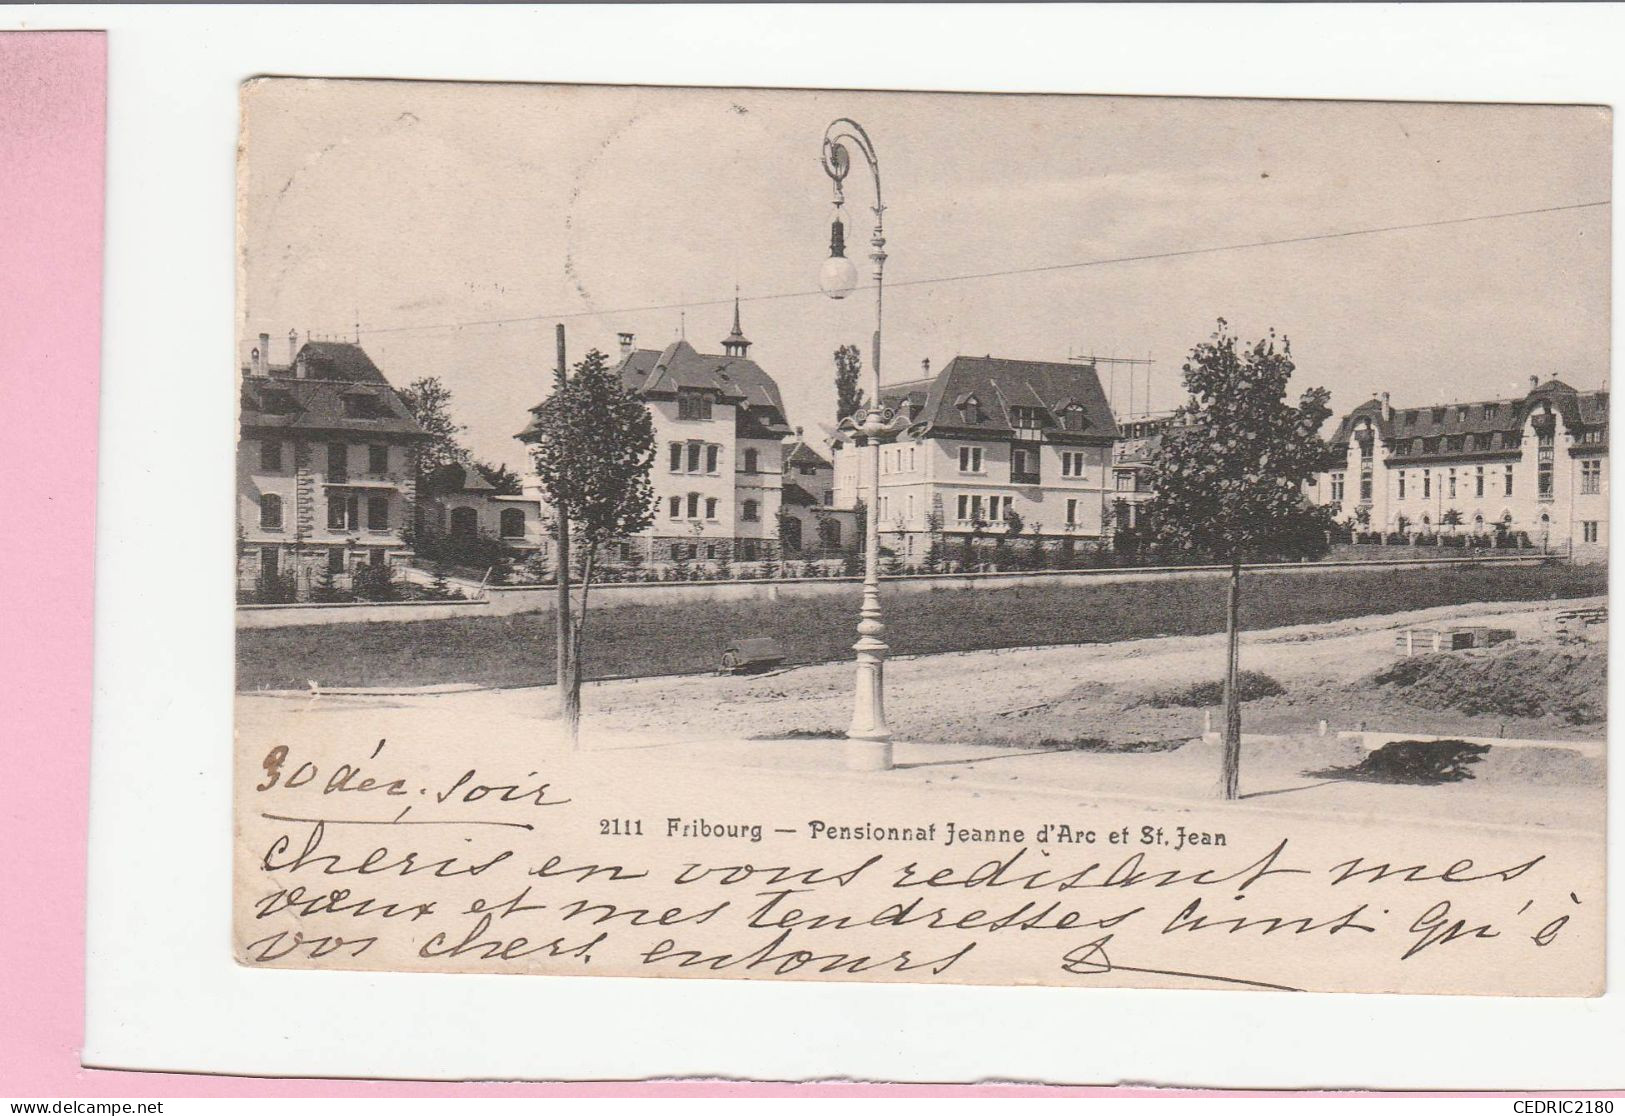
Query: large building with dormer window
1537, 465
718, 475
984, 438
326, 464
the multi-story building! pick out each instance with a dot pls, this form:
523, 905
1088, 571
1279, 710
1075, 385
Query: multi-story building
984, 438
811, 524
1139, 438
1536, 465
719, 427
326, 463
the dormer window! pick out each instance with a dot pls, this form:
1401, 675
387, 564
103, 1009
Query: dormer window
1490, 409
1438, 416
1027, 418
970, 408
693, 405
1072, 417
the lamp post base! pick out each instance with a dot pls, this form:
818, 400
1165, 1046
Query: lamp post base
868, 740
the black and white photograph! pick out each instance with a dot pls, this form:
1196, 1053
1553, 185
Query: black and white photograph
925, 537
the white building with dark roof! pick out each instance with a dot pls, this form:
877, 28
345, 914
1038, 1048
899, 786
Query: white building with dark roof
326, 464
1536, 465
984, 438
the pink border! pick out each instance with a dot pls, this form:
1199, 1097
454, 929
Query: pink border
53, 88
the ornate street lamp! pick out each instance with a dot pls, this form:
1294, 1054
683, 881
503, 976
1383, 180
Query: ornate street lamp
869, 738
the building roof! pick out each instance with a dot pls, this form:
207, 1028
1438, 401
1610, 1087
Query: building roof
943, 403
330, 386
1580, 411
454, 476
661, 374
795, 495
801, 453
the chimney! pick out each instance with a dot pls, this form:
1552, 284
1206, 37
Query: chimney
925, 367
260, 357
626, 343
1534, 382
293, 346
1387, 407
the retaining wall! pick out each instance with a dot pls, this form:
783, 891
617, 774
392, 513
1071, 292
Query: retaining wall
507, 600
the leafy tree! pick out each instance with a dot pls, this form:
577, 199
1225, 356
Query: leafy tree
1229, 476
593, 445
1451, 519
934, 555
429, 400
501, 478
848, 395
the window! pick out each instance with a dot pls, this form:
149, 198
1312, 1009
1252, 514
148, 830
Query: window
271, 457
1072, 463
1026, 418
338, 462
677, 457
694, 451
343, 513
1455, 443
693, 405
270, 512
360, 406
911, 507
750, 461
465, 523
1072, 417
1071, 513
1402, 484
1508, 479
377, 513
711, 454
1590, 476
675, 506
694, 505
970, 459
998, 507
512, 523
1490, 409
807, 470
1337, 487
1427, 484
710, 507
750, 511
1450, 485
335, 559
377, 460
1478, 480
1022, 466
1125, 481
1588, 530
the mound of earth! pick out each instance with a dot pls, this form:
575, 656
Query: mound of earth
1568, 684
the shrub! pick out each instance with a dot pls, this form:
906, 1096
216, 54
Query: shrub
375, 583
1414, 762
478, 552
1251, 683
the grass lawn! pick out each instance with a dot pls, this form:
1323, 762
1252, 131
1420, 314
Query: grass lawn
685, 637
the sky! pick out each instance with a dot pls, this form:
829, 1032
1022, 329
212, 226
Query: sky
430, 212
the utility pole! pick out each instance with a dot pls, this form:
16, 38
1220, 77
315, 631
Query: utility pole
569, 693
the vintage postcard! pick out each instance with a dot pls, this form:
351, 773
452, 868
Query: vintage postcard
928, 537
